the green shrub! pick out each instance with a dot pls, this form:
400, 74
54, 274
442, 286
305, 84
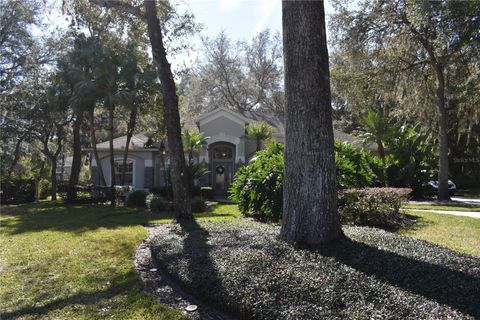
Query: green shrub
156, 203
376, 207
412, 155
165, 192
207, 193
356, 168
137, 198
258, 187
45, 188
17, 190
198, 204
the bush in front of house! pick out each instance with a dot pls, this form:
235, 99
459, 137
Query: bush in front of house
357, 168
207, 193
258, 187
17, 190
137, 198
164, 192
244, 268
156, 203
375, 207
198, 204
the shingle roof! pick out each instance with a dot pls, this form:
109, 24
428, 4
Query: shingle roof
138, 140
136, 143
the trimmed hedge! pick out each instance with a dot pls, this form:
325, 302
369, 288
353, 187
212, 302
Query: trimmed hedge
375, 207
370, 274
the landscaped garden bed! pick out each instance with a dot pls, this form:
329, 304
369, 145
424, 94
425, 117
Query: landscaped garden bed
243, 267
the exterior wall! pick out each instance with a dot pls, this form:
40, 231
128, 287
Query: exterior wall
143, 167
224, 129
222, 124
250, 148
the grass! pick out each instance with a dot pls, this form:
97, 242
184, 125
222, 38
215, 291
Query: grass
461, 234
76, 262
472, 193
442, 207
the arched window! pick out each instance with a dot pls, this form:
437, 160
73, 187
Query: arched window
223, 153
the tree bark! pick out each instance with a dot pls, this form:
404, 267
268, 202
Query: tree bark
181, 192
53, 177
93, 141
77, 159
111, 111
310, 195
130, 130
443, 193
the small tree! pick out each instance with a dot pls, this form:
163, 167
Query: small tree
193, 141
260, 132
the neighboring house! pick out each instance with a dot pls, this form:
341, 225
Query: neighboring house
64, 168
227, 149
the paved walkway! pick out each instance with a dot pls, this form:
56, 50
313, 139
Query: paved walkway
471, 214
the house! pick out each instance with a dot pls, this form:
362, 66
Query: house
227, 149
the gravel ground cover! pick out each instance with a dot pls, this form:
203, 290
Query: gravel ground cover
242, 267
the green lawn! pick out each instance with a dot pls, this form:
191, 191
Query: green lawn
75, 262
442, 207
457, 233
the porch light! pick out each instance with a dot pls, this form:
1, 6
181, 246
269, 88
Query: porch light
162, 148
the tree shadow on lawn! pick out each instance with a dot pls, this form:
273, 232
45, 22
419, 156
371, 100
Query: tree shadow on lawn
122, 284
80, 218
197, 250
454, 288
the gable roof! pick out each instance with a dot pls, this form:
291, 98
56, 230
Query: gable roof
138, 140
136, 143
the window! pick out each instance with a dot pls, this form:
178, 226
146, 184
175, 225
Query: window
128, 172
222, 153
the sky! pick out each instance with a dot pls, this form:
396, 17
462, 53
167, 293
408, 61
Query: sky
239, 19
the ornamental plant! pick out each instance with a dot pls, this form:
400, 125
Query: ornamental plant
258, 187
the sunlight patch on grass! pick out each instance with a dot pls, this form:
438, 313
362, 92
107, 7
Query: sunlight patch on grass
75, 262
457, 233
442, 207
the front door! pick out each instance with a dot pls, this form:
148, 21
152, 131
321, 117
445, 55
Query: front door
222, 155
223, 174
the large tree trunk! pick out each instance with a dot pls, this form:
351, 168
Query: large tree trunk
77, 159
130, 130
111, 111
310, 195
53, 177
16, 153
443, 193
93, 141
181, 192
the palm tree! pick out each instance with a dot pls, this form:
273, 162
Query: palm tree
375, 129
192, 141
108, 75
260, 132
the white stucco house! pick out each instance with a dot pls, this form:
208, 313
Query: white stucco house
226, 150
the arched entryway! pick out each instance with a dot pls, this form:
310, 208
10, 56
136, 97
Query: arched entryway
222, 155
